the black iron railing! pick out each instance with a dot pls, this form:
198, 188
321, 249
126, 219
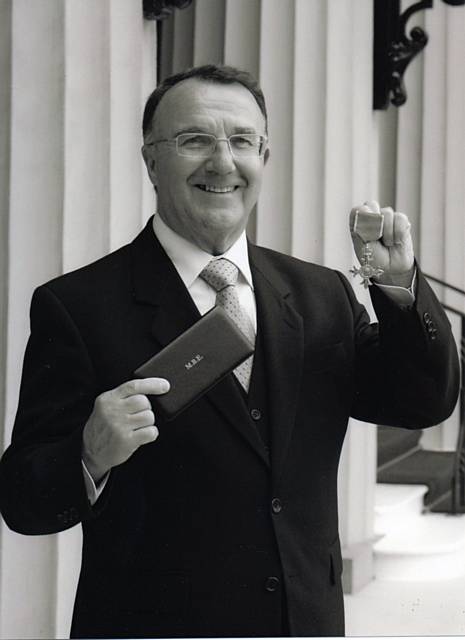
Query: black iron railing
458, 480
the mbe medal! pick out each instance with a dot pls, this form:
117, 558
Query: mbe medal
369, 228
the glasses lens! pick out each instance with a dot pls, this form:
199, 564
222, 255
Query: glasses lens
195, 144
204, 144
247, 144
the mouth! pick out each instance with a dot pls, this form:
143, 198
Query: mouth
210, 188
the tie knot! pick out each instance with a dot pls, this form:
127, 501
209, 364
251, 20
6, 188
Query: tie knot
220, 273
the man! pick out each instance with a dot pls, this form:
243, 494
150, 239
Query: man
222, 522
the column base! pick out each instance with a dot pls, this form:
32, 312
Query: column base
358, 566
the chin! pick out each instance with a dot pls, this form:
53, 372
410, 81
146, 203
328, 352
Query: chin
224, 223
219, 232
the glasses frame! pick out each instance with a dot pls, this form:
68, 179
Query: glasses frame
175, 140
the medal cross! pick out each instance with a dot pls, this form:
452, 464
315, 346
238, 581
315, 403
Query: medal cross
366, 272
369, 227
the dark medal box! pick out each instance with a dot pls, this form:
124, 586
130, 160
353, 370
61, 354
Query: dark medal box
197, 360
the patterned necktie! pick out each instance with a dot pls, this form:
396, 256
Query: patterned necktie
222, 275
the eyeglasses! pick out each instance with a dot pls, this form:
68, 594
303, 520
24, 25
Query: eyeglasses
203, 145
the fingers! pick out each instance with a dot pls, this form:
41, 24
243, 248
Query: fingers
137, 407
127, 407
388, 227
370, 206
141, 420
402, 227
121, 421
144, 386
396, 227
134, 404
144, 435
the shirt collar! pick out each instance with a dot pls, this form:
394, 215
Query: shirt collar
189, 259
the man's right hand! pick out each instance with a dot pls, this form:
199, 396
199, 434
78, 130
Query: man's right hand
122, 420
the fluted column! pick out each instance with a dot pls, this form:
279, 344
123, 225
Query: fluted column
351, 140
34, 235
73, 189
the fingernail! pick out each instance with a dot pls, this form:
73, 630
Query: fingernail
165, 386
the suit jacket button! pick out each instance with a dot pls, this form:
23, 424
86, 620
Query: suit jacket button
426, 317
276, 505
432, 331
256, 414
271, 583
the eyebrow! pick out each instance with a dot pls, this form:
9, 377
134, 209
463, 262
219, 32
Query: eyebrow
198, 129
193, 129
244, 130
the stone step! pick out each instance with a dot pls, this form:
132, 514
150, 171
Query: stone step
432, 468
395, 442
395, 504
427, 548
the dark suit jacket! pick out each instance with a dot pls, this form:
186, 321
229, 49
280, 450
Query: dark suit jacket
183, 540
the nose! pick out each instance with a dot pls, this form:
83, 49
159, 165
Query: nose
221, 161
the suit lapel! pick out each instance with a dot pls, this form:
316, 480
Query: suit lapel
157, 283
282, 330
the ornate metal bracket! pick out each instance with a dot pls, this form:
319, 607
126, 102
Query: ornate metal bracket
394, 49
162, 9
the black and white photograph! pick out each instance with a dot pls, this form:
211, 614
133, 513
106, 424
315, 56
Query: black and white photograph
232, 318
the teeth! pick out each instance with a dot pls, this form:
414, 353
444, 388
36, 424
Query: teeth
209, 187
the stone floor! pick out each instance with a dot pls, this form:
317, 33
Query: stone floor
385, 608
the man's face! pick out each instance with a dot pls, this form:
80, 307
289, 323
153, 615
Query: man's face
205, 200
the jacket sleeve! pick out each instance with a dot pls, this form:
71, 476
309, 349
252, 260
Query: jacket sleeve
406, 366
41, 481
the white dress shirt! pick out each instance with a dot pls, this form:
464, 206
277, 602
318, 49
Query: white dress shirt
190, 260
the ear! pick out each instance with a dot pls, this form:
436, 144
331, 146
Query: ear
266, 155
150, 163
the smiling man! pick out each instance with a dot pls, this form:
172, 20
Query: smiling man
209, 185
222, 522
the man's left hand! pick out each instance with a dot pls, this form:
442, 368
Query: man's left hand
393, 252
